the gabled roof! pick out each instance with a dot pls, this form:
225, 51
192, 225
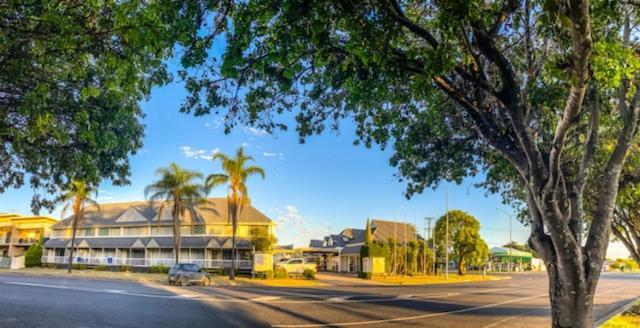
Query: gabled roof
315, 243
143, 213
383, 230
149, 242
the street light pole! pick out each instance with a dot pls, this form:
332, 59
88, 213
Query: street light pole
446, 234
510, 239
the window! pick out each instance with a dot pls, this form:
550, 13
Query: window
185, 230
102, 232
227, 230
215, 230
161, 231
135, 231
243, 231
197, 230
59, 251
89, 232
114, 232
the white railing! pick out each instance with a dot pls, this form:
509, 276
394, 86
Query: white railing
203, 263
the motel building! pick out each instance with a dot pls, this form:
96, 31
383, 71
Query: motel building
129, 234
18, 232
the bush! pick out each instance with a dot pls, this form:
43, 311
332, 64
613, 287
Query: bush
160, 268
265, 274
124, 268
364, 275
33, 257
281, 273
102, 267
309, 274
79, 266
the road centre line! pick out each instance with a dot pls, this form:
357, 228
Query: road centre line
408, 318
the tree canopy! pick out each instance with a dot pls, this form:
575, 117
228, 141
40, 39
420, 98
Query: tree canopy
466, 246
72, 76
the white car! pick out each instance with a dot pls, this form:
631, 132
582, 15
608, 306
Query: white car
296, 265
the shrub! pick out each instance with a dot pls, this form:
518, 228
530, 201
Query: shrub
160, 268
102, 267
265, 274
309, 274
124, 268
79, 266
33, 257
281, 273
364, 275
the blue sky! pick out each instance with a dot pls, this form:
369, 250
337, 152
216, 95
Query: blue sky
325, 185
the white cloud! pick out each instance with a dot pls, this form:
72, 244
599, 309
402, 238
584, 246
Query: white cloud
255, 131
189, 152
289, 216
273, 155
293, 227
245, 144
215, 124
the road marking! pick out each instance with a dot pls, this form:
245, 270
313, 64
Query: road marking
337, 299
104, 291
265, 299
430, 315
513, 317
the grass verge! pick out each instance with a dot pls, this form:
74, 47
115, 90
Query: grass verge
627, 319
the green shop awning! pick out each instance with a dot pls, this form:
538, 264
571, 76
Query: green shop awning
504, 252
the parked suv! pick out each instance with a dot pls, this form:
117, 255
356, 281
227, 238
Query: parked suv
185, 274
296, 265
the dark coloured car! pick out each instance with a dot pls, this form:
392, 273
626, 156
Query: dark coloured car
186, 274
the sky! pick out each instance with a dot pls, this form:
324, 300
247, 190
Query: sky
310, 190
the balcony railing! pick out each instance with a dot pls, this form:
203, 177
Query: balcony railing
144, 262
17, 241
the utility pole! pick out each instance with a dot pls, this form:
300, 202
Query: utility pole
510, 239
395, 242
428, 232
446, 234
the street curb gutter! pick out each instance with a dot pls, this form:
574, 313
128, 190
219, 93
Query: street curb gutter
614, 313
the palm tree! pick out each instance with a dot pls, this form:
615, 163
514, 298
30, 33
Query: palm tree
235, 177
177, 189
77, 198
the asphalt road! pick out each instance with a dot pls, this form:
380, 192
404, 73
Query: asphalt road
27, 301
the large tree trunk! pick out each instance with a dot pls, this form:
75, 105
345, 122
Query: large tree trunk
571, 301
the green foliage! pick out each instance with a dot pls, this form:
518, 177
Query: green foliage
73, 76
281, 273
262, 240
79, 266
101, 267
364, 275
124, 268
159, 268
178, 190
309, 274
465, 244
624, 265
33, 256
269, 274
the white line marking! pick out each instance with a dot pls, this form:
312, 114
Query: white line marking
337, 299
409, 318
513, 317
265, 299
